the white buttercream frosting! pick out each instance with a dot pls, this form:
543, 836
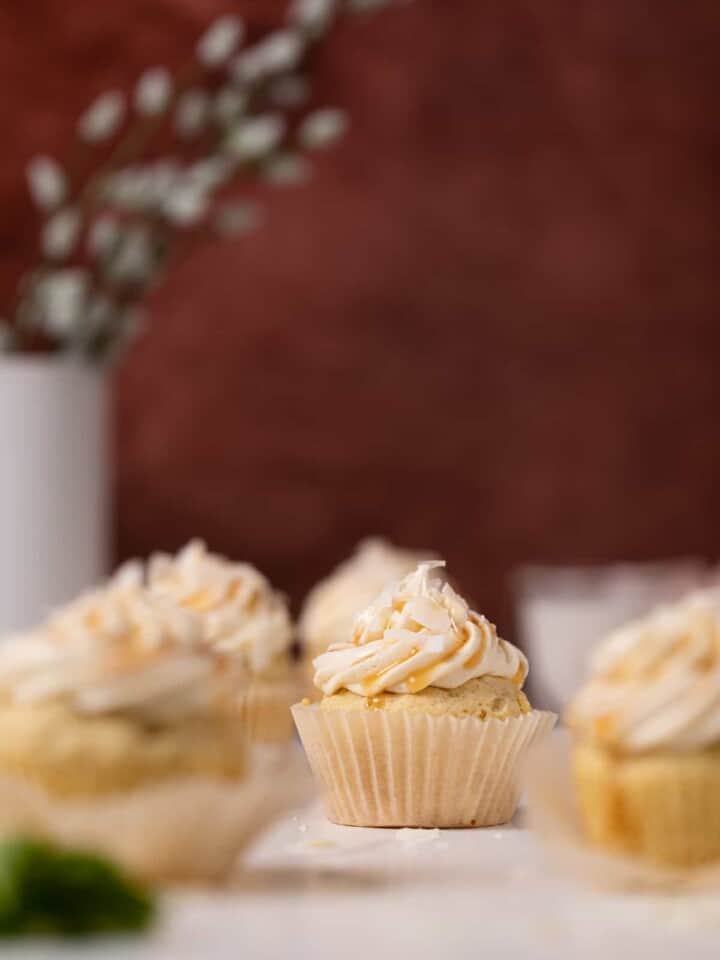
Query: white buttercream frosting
241, 613
655, 683
418, 633
331, 607
116, 650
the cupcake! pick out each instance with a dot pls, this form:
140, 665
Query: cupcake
331, 607
104, 711
423, 720
242, 618
646, 737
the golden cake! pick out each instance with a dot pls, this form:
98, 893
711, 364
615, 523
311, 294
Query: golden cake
423, 721
646, 726
117, 691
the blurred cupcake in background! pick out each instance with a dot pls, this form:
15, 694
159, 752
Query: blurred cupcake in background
423, 721
331, 607
242, 617
116, 720
646, 730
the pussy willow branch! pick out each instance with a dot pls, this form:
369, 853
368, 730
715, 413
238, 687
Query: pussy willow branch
99, 284
86, 197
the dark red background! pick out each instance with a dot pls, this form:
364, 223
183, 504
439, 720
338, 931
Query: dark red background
490, 324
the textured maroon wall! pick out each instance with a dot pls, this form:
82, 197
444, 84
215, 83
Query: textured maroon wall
490, 326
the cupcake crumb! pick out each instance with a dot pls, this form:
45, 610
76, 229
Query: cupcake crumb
414, 837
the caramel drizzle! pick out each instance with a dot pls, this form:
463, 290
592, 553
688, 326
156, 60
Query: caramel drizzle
418, 680
423, 678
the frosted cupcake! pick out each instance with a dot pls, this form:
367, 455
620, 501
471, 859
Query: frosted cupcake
242, 617
646, 760
423, 720
114, 692
117, 698
330, 609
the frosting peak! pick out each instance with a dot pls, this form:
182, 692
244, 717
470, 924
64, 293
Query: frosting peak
332, 605
115, 650
656, 682
417, 633
240, 612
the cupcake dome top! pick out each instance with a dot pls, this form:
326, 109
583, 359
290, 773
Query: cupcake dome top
240, 612
333, 604
417, 633
655, 682
118, 649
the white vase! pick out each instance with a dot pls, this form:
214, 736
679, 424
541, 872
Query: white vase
54, 485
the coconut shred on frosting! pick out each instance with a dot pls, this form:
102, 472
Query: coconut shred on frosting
418, 633
116, 650
333, 604
240, 612
655, 683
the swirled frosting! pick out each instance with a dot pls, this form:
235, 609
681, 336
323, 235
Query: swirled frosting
331, 607
416, 634
655, 683
116, 650
240, 612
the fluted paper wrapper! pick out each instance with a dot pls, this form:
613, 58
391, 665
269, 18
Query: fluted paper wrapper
185, 831
379, 769
555, 816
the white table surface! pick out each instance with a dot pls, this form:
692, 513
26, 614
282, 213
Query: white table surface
310, 889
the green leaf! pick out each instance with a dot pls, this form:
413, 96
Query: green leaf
49, 890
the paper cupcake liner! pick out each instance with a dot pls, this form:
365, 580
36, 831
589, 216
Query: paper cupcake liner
379, 769
185, 831
663, 807
265, 710
555, 815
